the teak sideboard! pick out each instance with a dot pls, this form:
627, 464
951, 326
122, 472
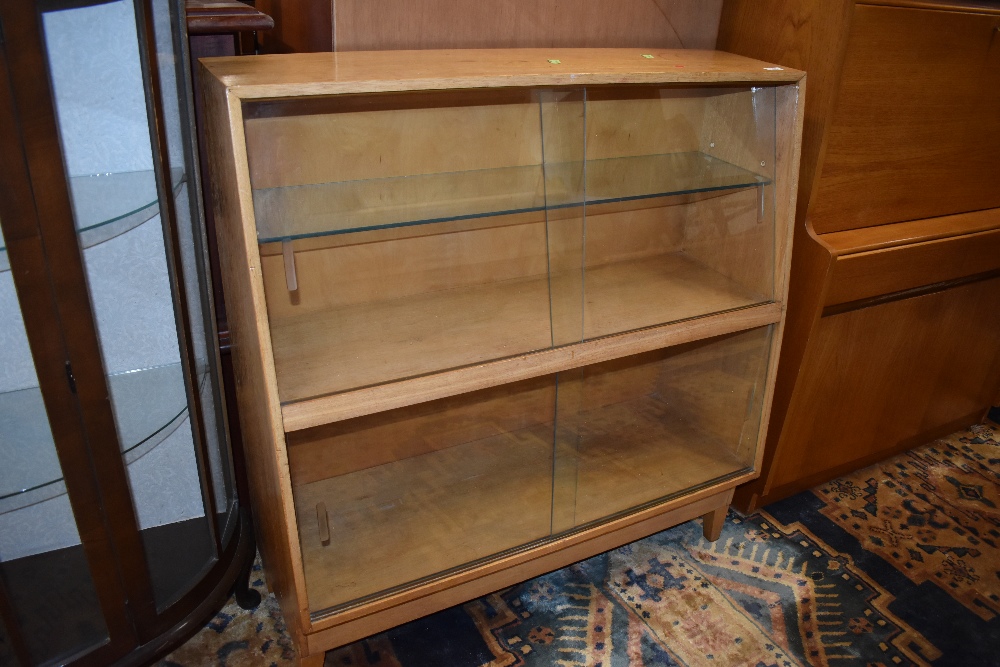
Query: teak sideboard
493, 312
894, 309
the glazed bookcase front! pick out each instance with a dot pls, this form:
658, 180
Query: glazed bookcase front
393, 498
494, 311
407, 234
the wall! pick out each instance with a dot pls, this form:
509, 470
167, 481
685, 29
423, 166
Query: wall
358, 25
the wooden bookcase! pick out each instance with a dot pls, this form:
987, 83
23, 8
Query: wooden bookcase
493, 312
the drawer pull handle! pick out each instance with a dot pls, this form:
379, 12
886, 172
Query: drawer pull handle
324, 524
288, 255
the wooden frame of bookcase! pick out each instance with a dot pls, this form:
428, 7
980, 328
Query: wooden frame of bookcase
228, 82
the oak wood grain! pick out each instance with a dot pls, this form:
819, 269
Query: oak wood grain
713, 522
364, 442
667, 277
322, 352
404, 520
449, 132
632, 430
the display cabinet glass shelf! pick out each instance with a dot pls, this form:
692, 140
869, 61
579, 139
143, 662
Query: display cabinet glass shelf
494, 310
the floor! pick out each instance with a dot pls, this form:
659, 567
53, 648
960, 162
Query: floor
895, 564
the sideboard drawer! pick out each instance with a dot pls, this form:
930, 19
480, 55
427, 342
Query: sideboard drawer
868, 274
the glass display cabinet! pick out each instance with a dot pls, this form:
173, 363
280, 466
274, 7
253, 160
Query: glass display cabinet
119, 520
494, 311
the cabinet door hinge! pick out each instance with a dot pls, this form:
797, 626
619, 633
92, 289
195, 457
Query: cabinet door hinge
69, 378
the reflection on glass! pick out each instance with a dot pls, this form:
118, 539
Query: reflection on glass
43, 568
101, 104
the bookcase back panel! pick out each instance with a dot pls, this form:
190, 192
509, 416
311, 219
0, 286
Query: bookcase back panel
354, 138
384, 265
364, 442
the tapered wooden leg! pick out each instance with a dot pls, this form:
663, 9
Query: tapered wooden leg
315, 660
711, 523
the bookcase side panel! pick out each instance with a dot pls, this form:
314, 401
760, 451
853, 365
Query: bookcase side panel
260, 414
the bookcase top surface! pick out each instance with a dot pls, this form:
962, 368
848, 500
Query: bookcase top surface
285, 75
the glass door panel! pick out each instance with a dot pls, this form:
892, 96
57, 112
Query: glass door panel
119, 198
643, 428
45, 576
679, 194
191, 257
400, 234
563, 151
385, 500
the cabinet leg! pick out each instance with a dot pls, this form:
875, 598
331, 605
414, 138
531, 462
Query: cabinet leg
315, 660
711, 523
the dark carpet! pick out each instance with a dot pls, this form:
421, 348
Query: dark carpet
896, 564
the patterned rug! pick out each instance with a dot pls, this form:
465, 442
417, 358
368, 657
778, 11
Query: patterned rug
896, 564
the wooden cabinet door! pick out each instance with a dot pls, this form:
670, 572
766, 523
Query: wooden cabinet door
882, 378
915, 133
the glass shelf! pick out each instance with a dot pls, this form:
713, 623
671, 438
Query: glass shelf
302, 211
149, 405
108, 205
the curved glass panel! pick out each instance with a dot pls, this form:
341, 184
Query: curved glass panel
144, 272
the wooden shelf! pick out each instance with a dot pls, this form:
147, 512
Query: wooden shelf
657, 290
337, 350
318, 209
